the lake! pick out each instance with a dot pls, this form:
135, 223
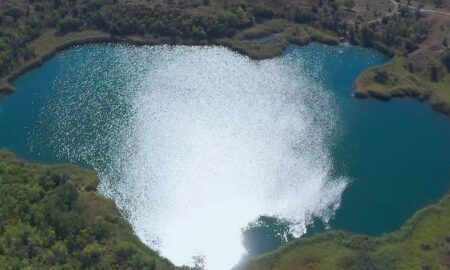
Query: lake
208, 153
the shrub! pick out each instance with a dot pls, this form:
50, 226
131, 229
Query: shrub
123, 251
367, 36
303, 16
410, 46
262, 12
68, 24
47, 223
381, 76
446, 60
434, 73
13, 11
91, 254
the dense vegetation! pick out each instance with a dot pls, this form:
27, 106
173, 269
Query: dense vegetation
405, 32
51, 218
419, 41
422, 243
23, 21
32, 30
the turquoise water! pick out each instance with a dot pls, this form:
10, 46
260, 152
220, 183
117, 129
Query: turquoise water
396, 152
360, 165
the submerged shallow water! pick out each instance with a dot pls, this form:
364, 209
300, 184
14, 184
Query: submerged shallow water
196, 143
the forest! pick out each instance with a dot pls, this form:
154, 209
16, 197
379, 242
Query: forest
51, 217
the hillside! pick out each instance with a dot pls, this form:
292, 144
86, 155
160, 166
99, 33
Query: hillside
51, 218
422, 243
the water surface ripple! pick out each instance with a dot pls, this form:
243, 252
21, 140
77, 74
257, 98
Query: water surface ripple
195, 143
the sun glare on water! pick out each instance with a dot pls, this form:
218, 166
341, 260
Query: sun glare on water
197, 142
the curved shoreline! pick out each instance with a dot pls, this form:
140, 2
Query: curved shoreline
132, 41
437, 105
40, 60
405, 86
345, 242
277, 48
269, 50
314, 250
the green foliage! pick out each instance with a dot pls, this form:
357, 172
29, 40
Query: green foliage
365, 260
21, 22
13, 11
434, 73
49, 221
303, 16
261, 11
349, 4
446, 60
438, 3
69, 24
410, 46
381, 76
367, 36
422, 243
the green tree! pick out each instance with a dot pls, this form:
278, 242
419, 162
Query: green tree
261, 11
303, 16
381, 76
434, 73
90, 255
48, 222
446, 60
69, 24
367, 36
349, 4
13, 11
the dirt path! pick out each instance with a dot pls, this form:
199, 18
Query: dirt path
432, 11
395, 10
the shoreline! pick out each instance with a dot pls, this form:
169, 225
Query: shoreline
278, 47
104, 227
436, 105
432, 214
251, 49
344, 240
410, 86
40, 60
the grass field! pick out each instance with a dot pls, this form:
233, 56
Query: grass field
422, 243
401, 83
49, 43
288, 33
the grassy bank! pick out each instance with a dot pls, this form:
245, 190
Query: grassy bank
399, 81
51, 218
422, 243
287, 33
46, 46
32, 31
50, 43
395, 80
